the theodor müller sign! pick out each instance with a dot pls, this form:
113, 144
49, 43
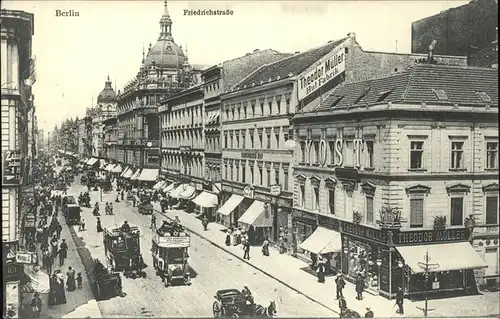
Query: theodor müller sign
327, 68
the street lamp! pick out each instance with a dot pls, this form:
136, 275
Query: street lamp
379, 263
427, 267
401, 265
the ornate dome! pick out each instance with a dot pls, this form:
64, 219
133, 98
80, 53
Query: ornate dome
107, 94
166, 54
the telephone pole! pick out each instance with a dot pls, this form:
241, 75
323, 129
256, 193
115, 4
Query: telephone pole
427, 267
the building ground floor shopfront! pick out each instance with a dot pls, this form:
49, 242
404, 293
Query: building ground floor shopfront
388, 259
263, 213
486, 242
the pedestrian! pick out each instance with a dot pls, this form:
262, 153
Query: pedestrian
314, 260
360, 286
340, 284
228, 238
133, 201
246, 249
342, 306
153, 221
205, 222
59, 230
321, 270
81, 226
265, 247
399, 301
79, 280
70, 280
99, 226
54, 243
369, 313
36, 305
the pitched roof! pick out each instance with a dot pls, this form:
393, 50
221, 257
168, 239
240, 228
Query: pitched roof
294, 64
420, 83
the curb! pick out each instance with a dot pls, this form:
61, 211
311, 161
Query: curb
252, 265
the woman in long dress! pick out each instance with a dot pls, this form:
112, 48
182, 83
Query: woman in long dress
70, 281
99, 226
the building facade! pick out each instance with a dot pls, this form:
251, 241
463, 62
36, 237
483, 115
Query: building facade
17, 29
105, 108
462, 31
257, 134
397, 166
81, 135
110, 136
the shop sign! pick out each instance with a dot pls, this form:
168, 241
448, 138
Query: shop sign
339, 145
431, 236
11, 168
26, 258
368, 233
248, 191
275, 190
173, 241
30, 221
252, 155
13, 272
327, 68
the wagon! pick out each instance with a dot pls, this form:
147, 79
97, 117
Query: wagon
232, 303
105, 284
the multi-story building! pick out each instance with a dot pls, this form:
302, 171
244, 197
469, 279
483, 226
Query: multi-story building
257, 136
463, 31
17, 29
105, 108
87, 137
41, 145
182, 141
389, 168
110, 135
215, 80
164, 70
81, 134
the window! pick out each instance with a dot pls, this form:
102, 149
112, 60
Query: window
369, 209
276, 175
457, 155
277, 136
261, 108
285, 178
261, 145
268, 140
251, 174
261, 179
302, 191
225, 139
441, 95
237, 172
316, 152
491, 210
237, 137
225, 169
331, 201
244, 112
278, 104
416, 212
253, 109
268, 172
369, 154
252, 142
457, 211
270, 104
416, 155
285, 134
243, 134
315, 198
491, 155
243, 172
331, 147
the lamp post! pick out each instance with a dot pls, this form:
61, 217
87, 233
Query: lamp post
379, 263
401, 265
427, 267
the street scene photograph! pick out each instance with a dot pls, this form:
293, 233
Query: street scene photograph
258, 159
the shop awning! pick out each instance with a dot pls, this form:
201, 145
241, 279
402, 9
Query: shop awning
188, 193
159, 185
129, 173
255, 215
125, 172
206, 199
323, 241
136, 175
35, 281
176, 193
92, 161
230, 204
450, 256
118, 169
148, 175
169, 188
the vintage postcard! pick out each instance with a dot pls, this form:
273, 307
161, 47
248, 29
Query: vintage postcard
169, 159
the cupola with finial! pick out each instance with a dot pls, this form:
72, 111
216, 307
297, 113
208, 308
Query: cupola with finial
107, 94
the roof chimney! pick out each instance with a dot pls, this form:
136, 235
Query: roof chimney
351, 35
430, 55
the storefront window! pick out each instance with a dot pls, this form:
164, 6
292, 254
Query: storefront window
302, 231
362, 259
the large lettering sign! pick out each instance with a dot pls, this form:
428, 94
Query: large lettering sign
173, 241
431, 236
328, 67
371, 234
11, 168
252, 155
339, 145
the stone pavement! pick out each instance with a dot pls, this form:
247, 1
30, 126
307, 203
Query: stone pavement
287, 270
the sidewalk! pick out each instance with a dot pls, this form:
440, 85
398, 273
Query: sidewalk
80, 303
287, 270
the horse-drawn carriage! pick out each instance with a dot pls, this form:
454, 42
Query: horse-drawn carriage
123, 251
170, 253
106, 185
84, 200
145, 208
233, 303
105, 284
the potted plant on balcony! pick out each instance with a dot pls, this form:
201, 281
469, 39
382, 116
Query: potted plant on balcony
439, 222
356, 217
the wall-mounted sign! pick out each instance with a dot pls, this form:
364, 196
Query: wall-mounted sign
13, 272
252, 155
26, 258
338, 148
12, 168
275, 190
173, 241
248, 191
431, 236
326, 69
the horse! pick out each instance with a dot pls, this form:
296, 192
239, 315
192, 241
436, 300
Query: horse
269, 312
348, 313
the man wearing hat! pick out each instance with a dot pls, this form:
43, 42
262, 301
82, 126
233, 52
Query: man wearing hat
340, 284
369, 313
36, 305
399, 301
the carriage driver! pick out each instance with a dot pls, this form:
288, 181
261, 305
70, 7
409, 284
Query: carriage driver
247, 294
125, 227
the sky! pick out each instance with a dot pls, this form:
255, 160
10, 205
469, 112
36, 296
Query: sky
74, 55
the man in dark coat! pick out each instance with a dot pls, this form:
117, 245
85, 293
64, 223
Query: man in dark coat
246, 249
58, 230
125, 227
369, 313
63, 252
399, 301
340, 284
360, 285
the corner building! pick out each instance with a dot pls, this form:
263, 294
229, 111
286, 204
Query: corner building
394, 167
258, 135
